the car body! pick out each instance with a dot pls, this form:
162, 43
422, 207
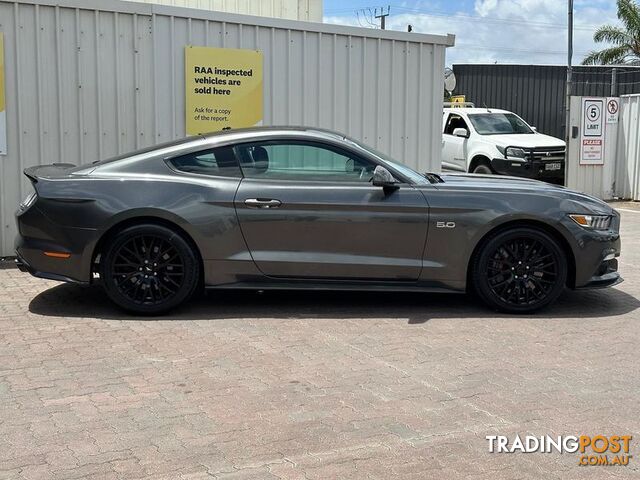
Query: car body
297, 208
498, 141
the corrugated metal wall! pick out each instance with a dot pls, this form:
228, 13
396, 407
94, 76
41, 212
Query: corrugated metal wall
90, 79
628, 150
537, 92
306, 10
594, 179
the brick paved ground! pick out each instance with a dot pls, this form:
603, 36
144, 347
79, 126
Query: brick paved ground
312, 386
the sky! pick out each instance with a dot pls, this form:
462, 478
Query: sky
490, 31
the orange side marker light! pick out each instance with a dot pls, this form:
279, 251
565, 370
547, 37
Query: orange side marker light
57, 254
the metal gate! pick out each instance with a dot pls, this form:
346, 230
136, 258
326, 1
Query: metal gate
613, 172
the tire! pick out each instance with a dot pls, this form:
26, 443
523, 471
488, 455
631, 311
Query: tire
520, 270
149, 269
483, 168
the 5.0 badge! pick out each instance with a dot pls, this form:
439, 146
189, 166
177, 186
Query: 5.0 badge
446, 224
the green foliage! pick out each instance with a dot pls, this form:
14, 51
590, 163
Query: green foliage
625, 41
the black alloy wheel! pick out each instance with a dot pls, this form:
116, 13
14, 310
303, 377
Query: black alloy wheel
520, 270
149, 269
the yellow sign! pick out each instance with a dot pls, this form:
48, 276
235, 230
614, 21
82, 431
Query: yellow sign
457, 99
223, 89
3, 110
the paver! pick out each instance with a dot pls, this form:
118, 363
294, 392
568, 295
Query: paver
312, 385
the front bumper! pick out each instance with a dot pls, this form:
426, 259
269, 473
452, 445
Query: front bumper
606, 276
596, 255
535, 169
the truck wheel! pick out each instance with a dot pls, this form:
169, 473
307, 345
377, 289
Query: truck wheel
483, 168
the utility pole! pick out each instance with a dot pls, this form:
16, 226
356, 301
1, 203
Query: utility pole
567, 128
383, 16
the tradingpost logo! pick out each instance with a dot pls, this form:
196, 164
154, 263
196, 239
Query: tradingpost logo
595, 450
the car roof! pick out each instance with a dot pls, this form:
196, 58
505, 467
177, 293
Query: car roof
213, 139
475, 110
275, 130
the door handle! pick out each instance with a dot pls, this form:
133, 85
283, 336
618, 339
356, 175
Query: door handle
262, 203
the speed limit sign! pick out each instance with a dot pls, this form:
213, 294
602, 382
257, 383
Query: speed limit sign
592, 141
593, 112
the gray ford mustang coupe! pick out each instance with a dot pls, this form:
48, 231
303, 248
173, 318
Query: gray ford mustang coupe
297, 208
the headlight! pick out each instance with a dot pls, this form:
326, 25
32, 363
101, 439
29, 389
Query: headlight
594, 222
515, 152
28, 201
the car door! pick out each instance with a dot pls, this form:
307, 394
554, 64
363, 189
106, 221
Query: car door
308, 210
454, 149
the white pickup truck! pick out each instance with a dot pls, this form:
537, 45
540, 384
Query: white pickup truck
488, 140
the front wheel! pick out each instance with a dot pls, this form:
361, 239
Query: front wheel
483, 169
520, 270
149, 269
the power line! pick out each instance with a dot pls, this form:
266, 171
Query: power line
515, 50
465, 17
370, 16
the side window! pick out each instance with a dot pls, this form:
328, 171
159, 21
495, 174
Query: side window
220, 162
454, 121
290, 160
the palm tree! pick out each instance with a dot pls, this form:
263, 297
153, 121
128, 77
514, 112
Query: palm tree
625, 41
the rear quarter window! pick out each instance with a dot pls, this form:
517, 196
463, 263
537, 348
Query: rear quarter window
219, 162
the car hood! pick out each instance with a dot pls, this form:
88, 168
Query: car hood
525, 140
573, 201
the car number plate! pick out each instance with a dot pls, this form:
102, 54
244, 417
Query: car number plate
553, 166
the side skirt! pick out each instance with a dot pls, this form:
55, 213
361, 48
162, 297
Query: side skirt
324, 286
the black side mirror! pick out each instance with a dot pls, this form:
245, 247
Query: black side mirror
383, 178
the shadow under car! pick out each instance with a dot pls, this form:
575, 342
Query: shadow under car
70, 300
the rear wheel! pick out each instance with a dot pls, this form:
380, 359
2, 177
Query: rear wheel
520, 270
149, 269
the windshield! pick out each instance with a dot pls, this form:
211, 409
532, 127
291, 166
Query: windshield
498, 123
408, 172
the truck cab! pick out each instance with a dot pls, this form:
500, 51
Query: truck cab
494, 141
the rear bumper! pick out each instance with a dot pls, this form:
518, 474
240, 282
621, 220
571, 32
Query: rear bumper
37, 235
24, 266
531, 169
